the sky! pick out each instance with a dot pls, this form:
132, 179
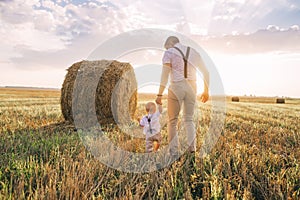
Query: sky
255, 45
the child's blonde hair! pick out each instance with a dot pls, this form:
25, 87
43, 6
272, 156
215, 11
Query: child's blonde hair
150, 107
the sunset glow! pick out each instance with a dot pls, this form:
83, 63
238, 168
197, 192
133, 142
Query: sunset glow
255, 49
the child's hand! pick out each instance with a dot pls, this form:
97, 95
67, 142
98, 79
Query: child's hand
139, 121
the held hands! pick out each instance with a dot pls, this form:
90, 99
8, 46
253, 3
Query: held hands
204, 97
158, 100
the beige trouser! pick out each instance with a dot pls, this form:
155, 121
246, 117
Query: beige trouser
182, 93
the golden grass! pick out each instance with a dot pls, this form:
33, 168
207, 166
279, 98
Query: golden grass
41, 157
113, 83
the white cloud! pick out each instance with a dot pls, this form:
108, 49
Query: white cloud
21, 24
273, 28
295, 28
41, 38
59, 25
26, 35
271, 39
250, 15
185, 16
48, 26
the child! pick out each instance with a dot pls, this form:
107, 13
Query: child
151, 125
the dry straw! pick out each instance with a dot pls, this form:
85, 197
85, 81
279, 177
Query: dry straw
280, 100
115, 98
235, 99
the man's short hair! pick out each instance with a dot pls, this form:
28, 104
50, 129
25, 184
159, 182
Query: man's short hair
171, 41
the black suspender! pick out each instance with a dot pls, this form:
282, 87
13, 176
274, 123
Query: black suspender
149, 121
185, 59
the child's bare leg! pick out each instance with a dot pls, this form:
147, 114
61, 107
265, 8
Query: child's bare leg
149, 145
156, 142
155, 146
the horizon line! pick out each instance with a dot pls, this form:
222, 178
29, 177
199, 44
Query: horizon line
148, 93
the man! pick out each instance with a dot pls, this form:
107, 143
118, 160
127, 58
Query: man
181, 63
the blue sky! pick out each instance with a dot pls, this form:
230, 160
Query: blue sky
254, 44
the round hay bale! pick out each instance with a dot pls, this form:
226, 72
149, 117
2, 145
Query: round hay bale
107, 88
280, 100
235, 99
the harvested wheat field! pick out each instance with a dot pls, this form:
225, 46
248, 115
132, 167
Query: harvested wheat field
42, 157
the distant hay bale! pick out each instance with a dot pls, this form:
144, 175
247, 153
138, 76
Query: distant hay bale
108, 85
280, 100
235, 99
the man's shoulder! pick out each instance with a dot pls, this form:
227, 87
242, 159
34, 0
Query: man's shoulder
173, 51
184, 49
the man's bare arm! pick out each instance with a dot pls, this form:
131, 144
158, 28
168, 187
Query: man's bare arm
163, 81
205, 73
164, 77
205, 94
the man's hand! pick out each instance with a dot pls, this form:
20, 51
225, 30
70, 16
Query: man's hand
204, 96
158, 100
